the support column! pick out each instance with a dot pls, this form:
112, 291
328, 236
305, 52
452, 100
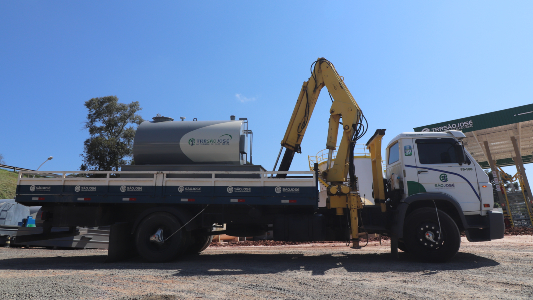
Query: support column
520, 166
496, 176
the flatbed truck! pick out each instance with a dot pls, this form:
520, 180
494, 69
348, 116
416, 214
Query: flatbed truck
191, 177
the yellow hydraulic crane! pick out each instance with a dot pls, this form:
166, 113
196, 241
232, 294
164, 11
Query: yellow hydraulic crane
341, 193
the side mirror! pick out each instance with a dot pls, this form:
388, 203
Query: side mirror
460, 153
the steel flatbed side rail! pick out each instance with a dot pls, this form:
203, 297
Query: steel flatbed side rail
213, 187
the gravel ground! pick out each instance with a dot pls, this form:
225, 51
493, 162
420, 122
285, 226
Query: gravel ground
501, 269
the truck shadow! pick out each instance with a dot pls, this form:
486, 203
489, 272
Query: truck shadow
228, 264
243, 264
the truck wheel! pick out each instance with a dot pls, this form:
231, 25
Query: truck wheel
151, 235
424, 239
200, 243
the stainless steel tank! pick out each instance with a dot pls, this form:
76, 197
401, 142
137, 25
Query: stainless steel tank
189, 142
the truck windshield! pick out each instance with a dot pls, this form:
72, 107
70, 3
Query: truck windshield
437, 152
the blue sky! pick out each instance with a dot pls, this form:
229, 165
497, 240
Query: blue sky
408, 64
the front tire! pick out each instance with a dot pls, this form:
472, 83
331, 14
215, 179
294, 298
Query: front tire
163, 249
425, 239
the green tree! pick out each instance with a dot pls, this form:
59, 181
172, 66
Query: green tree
111, 139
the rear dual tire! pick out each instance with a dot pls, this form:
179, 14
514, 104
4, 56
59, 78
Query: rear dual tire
201, 240
171, 247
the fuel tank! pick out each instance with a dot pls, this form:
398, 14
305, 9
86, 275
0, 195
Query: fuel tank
189, 142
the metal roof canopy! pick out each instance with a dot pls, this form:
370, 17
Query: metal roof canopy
496, 128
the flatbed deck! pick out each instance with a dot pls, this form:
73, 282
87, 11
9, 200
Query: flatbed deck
169, 187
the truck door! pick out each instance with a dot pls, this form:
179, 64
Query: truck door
400, 154
394, 164
438, 170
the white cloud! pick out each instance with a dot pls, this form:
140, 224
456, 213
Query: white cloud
244, 99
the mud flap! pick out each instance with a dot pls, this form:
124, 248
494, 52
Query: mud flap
121, 245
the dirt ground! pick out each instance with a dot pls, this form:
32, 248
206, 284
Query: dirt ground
501, 269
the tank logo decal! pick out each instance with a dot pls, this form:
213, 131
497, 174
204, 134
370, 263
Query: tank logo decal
39, 188
279, 190
217, 143
189, 189
222, 140
78, 188
230, 189
131, 188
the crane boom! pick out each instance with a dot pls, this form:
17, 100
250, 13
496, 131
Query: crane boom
343, 107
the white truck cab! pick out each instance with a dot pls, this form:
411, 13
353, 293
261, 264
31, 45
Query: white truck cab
434, 168
437, 162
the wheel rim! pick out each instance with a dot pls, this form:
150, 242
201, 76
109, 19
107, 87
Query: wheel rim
157, 241
157, 237
429, 235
